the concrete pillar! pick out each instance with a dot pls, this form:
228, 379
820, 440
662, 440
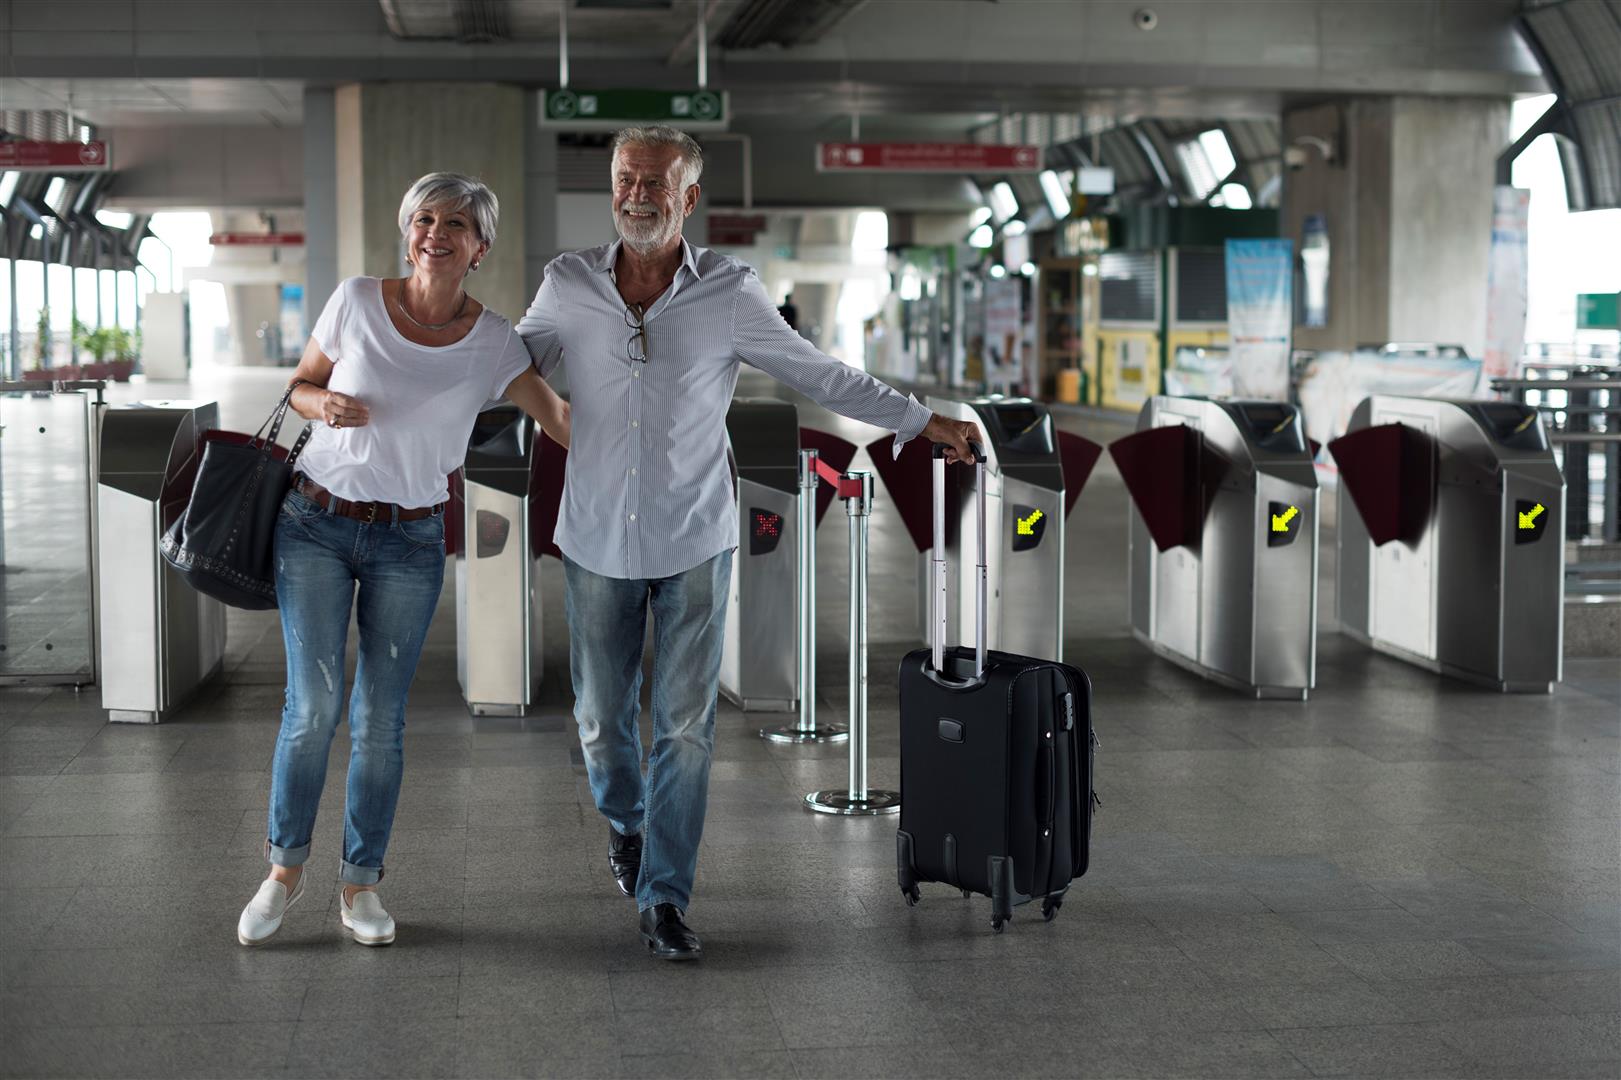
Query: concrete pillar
540, 196
320, 202
386, 135
1407, 203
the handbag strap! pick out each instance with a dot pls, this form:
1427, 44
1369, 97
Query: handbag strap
277, 415
298, 444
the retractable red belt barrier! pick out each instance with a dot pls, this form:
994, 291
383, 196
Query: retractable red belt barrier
831, 450
843, 487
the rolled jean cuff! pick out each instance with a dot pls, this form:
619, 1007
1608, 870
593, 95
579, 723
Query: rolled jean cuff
286, 856
351, 874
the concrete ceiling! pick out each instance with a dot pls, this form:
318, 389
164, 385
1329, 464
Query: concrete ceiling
245, 59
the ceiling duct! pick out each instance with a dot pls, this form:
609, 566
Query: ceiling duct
1577, 43
468, 22
783, 22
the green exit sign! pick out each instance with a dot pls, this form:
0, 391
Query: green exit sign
605, 110
1598, 311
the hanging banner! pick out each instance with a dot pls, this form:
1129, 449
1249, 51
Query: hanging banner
1506, 281
926, 157
1260, 275
30, 156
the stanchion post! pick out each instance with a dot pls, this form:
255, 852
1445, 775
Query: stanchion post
857, 799
806, 730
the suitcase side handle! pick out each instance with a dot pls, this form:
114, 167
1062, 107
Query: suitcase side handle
937, 634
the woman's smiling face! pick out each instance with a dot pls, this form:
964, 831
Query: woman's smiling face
442, 240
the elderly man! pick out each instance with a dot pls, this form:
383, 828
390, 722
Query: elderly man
651, 330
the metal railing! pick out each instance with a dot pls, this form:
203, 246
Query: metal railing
1580, 404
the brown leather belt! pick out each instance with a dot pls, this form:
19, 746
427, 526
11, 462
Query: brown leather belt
360, 511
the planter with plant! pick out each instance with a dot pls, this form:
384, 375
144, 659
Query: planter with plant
42, 348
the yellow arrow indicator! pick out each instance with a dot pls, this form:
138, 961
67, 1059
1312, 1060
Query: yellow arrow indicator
1280, 522
1027, 525
1528, 519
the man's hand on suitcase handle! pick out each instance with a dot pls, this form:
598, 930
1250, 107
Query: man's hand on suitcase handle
954, 435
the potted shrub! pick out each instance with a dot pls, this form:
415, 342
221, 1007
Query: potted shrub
42, 349
97, 343
125, 349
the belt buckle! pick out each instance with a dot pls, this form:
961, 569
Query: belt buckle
371, 513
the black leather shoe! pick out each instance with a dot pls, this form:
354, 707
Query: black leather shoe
625, 859
667, 937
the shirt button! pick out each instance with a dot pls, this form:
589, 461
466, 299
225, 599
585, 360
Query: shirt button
633, 472
635, 423
633, 517
636, 373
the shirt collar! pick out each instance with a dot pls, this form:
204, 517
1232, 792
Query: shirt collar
689, 260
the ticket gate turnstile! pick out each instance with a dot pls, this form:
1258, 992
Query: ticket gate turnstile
1025, 507
1451, 526
498, 597
1223, 541
759, 668
159, 638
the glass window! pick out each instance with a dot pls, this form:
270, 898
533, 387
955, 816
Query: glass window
126, 299
1235, 197
85, 301
61, 278
114, 219
8, 186
1217, 152
54, 194
109, 297
155, 255
1196, 167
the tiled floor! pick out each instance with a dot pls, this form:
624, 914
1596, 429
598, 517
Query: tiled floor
1404, 876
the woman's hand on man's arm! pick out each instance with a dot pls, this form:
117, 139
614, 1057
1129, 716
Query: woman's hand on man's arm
313, 401
531, 394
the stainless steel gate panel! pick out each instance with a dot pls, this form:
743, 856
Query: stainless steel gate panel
160, 640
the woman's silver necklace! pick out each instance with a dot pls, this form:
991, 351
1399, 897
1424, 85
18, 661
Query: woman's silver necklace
400, 303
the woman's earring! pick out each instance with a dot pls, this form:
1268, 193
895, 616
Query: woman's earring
474, 266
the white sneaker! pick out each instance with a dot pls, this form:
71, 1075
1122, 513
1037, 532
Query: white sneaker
366, 919
262, 917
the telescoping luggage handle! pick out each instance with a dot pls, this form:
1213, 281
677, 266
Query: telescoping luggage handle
938, 559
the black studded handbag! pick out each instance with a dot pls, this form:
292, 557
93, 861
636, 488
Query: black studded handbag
224, 543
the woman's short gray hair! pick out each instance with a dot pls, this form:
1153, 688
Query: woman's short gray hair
453, 191
662, 135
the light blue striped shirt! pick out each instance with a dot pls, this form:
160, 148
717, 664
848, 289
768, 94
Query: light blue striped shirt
648, 492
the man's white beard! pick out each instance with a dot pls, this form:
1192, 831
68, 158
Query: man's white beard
644, 237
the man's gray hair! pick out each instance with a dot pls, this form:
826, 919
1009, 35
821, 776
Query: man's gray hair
662, 135
453, 191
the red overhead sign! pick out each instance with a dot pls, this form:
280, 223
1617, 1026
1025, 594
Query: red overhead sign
28, 156
253, 239
926, 157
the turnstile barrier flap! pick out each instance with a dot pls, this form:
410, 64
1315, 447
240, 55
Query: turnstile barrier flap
1162, 470
1079, 456
906, 479
1389, 472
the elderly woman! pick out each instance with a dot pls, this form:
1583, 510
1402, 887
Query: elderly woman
396, 370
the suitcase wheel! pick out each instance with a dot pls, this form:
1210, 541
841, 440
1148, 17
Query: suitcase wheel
913, 895
966, 894
1049, 909
997, 924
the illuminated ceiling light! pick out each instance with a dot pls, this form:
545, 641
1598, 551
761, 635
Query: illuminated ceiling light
114, 219
1028, 269
1003, 201
981, 237
53, 193
998, 271
1014, 228
8, 186
1052, 186
1236, 197
980, 216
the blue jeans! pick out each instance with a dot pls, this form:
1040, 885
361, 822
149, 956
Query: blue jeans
320, 558
607, 620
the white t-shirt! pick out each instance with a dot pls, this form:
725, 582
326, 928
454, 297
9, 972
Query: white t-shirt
423, 399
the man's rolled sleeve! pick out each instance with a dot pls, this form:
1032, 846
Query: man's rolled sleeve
764, 341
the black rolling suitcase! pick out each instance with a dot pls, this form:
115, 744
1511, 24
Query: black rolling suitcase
996, 760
